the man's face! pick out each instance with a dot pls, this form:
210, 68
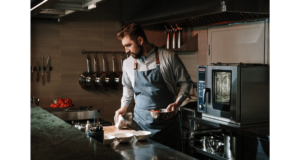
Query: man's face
132, 47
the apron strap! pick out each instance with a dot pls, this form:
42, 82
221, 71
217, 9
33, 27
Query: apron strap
156, 58
156, 55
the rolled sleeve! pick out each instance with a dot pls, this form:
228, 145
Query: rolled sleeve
183, 77
127, 90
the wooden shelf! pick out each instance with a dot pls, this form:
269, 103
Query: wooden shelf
189, 46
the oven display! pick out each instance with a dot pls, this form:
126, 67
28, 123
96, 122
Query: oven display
201, 85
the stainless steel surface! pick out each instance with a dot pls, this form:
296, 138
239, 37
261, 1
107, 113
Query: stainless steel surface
179, 36
174, 30
42, 69
48, 69
249, 94
37, 71
76, 115
160, 114
229, 146
168, 37
148, 149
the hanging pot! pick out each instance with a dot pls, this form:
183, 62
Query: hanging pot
88, 80
96, 76
102, 77
83, 76
112, 75
118, 77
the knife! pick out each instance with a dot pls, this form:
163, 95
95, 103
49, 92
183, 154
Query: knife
48, 69
31, 72
42, 69
37, 72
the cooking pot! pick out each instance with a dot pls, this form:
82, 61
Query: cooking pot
82, 77
229, 145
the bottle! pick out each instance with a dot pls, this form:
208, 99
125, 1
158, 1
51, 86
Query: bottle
87, 126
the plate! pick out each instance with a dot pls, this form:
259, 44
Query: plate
142, 135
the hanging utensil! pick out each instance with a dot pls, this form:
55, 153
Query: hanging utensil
120, 86
118, 76
88, 78
42, 69
48, 69
82, 76
174, 30
168, 37
96, 76
179, 36
112, 75
102, 78
37, 71
31, 72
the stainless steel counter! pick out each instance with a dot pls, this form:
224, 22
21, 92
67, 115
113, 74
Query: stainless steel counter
149, 149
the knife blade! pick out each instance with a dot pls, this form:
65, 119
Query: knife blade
42, 69
31, 72
37, 72
48, 69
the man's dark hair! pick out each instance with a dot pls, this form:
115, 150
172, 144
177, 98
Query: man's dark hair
134, 30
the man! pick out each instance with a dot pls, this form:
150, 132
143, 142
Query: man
151, 75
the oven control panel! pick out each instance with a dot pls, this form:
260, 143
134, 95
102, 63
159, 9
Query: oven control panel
201, 106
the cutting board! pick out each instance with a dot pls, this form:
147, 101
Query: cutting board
111, 130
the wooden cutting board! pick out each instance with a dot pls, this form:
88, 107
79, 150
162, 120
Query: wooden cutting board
111, 130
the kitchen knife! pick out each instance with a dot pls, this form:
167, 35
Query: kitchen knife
31, 72
48, 69
37, 72
42, 69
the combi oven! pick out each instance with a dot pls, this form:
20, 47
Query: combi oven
235, 93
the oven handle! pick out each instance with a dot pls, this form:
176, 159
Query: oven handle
204, 95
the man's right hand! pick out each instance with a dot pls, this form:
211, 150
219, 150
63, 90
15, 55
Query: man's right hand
121, 111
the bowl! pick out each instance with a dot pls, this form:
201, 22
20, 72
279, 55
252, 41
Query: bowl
142, 135
108, 139
123, 137
160, 114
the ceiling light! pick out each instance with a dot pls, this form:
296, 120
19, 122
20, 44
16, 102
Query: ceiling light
91, 6
38, 5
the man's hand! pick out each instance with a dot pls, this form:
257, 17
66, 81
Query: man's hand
121, 111
173, 108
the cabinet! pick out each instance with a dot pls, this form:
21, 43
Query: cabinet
244, 42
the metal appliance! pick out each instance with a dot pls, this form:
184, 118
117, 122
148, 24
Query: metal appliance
73, 113
236, 93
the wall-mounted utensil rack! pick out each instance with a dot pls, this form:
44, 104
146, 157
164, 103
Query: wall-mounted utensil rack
39, 68
104, 52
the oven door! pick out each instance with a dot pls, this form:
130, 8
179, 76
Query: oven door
222, 84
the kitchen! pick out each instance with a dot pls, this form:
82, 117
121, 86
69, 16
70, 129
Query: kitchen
65, 38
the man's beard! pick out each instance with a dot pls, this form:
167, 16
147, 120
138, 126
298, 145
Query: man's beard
139, 54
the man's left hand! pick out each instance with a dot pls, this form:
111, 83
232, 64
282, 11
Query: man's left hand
173, 108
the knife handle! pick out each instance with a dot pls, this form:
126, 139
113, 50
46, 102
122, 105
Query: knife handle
43, 80
37, 76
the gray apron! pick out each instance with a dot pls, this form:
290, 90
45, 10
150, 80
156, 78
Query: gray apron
151, 92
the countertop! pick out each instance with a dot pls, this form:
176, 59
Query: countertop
146, 149
52, 138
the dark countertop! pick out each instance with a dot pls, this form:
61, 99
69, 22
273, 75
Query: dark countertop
148, 149
52, 138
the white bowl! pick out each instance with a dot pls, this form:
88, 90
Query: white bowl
108, 139
123, 137
142, 135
